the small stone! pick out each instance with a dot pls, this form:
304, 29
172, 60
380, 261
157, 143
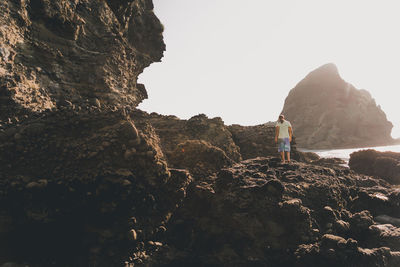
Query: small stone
43, 183
124, 172
126, 182
133, 234
32, 185
330, 241
97, 103
341, 243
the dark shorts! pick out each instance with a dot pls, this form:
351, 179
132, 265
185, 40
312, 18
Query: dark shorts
283, 144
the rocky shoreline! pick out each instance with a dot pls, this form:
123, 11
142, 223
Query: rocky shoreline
87, 179
108, 195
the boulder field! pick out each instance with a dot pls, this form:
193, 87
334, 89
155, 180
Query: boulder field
260, 212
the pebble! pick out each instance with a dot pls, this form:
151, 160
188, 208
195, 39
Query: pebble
133, 235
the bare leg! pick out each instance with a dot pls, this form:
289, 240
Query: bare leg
288, 156
283, 156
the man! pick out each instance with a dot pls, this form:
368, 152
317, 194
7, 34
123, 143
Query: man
283, 136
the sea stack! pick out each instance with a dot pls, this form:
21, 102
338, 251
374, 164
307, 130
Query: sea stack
327, 112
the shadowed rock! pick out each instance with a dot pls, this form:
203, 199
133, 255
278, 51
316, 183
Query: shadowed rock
260, 212
86, 180
382, 164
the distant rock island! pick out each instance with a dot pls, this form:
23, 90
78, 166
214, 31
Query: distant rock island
327, 112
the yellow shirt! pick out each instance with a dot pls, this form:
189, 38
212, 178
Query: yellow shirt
283, 128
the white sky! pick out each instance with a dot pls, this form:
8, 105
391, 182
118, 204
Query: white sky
239, 59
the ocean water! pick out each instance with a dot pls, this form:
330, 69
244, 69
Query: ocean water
345, 153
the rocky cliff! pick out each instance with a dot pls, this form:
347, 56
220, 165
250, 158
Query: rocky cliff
80, 184
80, 53
88, 180
328, 112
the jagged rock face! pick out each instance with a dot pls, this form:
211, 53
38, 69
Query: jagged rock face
173, 132
82, 189
382, 164
204, 145
76, 51
327, 112
263, 213
254, 141
80, 183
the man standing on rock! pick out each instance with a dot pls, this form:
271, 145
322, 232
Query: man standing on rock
283, 136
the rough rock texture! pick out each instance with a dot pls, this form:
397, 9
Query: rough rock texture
53, 52
199, 157
86, 180
328, 112
382, 164
210, 144
327, 162
174, 131
83, 189
201, 145
80, 184
263, 213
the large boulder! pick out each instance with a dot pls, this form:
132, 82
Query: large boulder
382, 164
199, 157
327, 112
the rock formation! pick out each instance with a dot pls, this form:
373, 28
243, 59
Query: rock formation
60, 52
327, 112
88, 180
80, 183
263, 213
78, 188
381, 164
173, 131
